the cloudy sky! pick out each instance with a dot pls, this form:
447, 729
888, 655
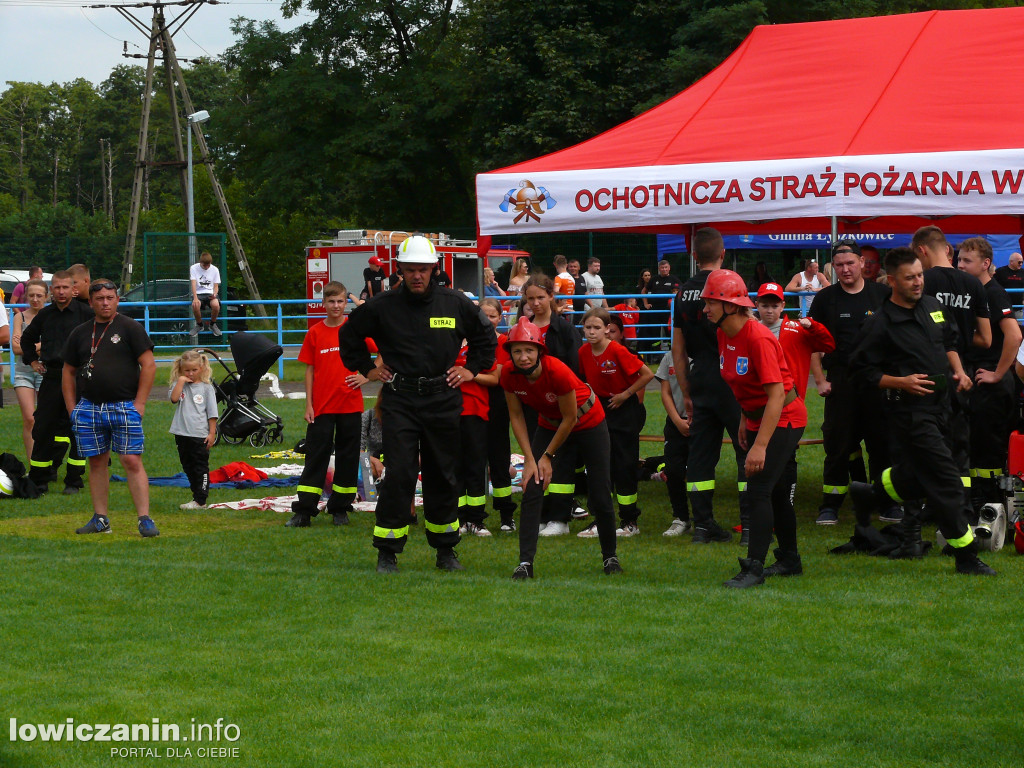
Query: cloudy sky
58, 40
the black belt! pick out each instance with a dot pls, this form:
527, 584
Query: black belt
586, 406
759, 412
419, 385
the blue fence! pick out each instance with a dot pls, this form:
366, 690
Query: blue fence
168, 323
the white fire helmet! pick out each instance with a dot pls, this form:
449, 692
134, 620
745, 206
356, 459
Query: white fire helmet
6, 486
417, 250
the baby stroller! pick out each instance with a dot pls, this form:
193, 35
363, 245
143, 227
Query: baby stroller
244, 417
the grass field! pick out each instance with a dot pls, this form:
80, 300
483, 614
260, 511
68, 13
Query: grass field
292, 637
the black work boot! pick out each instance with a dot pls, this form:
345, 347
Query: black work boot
786, 564
387, 562
298, 520
708, 531
967, 561
912, 545
751, 574
447, 560
340, 517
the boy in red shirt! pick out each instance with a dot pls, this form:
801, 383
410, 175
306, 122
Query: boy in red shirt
616, 375
334, 409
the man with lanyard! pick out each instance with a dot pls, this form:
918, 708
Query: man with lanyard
992, 399
908, 349
419, 328
709, 402
964, 302
666, 284
52, 430
108, 374
852, 412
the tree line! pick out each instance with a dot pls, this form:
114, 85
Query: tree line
374, 113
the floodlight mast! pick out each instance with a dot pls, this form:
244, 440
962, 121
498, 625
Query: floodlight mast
160, 36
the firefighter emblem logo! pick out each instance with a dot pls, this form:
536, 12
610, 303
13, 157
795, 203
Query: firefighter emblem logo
527, 202
741, 365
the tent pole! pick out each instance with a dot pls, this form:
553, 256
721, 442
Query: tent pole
835, 230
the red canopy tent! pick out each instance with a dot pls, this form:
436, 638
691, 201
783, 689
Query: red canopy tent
879, 124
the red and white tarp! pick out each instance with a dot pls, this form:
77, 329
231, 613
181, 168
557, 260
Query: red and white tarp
902, 119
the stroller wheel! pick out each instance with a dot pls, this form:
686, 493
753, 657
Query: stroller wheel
279, 436
217, 440
256, 439
275, 435
230, 440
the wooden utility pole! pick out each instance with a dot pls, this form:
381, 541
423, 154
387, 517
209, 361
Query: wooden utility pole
161, 39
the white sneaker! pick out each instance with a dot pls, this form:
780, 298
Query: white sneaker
192, 505
590, 532
554, 528
474, 530
678, 528
629, 529
578, 512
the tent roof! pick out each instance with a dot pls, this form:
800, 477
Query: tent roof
903, 89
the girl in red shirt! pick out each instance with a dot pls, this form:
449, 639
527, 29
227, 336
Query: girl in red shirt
774, 417
499, 448
570, 426
616, 375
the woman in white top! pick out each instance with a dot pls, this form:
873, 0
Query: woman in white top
810, 281
25, 380
519, 275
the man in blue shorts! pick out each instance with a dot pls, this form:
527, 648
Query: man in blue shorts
108, 374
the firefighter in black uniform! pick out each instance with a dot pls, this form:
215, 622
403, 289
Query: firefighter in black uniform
709, 402
993, 399
418, 328
852, 412
908, 349
52, 430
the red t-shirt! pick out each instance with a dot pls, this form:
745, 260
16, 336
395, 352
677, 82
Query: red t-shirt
798, 344
330, 392
751, 359
613, 371
556, 378
501, 355
476, 400
630, 316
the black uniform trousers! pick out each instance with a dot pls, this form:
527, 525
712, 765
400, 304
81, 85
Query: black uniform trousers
473, 470
714, 410
499, 455
924, 468
852, 413
992, 418
195, 463
677, 449
592, 447
336, 433
52, 436
420, 436
624, 426
769, 494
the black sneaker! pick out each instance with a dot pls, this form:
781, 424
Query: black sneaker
974, 567
751, 575
523, 572
298, 520
98, 524
786, 564
710, 533
447, 560
340, 518
387, 562
894, 514
611, 565
827, 516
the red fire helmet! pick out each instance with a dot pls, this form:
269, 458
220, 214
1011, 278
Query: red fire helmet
725, 285
525, 331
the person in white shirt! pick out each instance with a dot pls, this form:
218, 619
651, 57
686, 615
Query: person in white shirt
205, 280
595, 285
808, 282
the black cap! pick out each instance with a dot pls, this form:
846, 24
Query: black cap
844, 244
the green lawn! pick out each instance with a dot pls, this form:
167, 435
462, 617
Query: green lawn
292, 636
